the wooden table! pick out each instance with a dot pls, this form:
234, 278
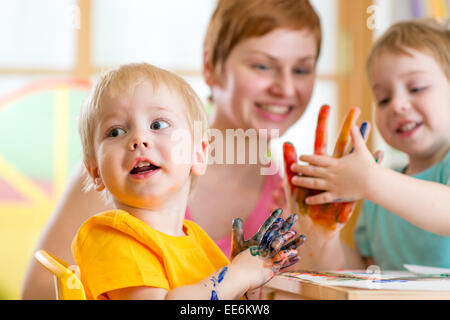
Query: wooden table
288, 288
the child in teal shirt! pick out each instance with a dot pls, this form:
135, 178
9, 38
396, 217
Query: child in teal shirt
394, 241
406, 218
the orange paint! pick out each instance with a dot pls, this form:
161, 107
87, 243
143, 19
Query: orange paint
326, 215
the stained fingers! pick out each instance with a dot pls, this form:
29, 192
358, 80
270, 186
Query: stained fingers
344, 134
237, 237
267, 224
284, 259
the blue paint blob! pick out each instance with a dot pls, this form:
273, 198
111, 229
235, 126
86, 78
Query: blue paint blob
363, 129
222, 274
214, 295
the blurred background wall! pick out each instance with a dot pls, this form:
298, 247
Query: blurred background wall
51, 49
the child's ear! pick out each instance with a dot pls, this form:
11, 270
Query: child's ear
208, 70
201, 159
92, 169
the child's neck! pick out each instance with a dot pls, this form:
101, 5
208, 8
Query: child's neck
167, 216
419, 164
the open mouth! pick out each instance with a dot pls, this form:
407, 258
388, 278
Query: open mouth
275, 109
408, 127
143, 168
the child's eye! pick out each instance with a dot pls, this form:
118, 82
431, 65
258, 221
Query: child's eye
417, 89
383, 102
158, 125
116, 132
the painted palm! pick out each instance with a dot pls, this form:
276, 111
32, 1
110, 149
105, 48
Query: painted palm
39, 149
326, 215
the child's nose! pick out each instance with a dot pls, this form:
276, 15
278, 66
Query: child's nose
400, 104
138, 142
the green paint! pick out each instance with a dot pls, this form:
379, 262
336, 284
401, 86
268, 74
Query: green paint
254, 251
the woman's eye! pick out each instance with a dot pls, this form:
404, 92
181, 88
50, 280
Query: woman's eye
261, 66
301, 71
115, 132
158, 125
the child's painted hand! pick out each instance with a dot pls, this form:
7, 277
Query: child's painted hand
325, 215
238, 244
277, 250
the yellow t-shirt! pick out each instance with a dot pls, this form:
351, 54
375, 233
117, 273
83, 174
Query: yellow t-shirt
115, 250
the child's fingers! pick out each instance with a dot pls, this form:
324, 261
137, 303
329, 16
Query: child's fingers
288, 223
321, 198
310, 183
282, 258
267, 224
290, 261
294, 244
310, 170
237, 237
281, 240
315, 160
269, 236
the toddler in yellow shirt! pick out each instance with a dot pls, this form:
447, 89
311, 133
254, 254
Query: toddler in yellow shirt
144, 137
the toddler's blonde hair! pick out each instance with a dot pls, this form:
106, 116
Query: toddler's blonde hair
122, 80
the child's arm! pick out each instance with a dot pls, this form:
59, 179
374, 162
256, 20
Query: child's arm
247, 271
357, 176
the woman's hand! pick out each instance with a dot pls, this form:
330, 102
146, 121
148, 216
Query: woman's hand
300, 188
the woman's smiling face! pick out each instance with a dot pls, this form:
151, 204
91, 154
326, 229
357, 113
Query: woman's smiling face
267, 81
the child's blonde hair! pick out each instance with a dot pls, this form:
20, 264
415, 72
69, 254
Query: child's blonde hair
236, 20
123, 79
430, 36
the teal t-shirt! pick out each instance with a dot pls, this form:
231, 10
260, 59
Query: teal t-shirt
392, 241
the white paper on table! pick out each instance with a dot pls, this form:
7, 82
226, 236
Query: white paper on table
386, 280
426, 270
